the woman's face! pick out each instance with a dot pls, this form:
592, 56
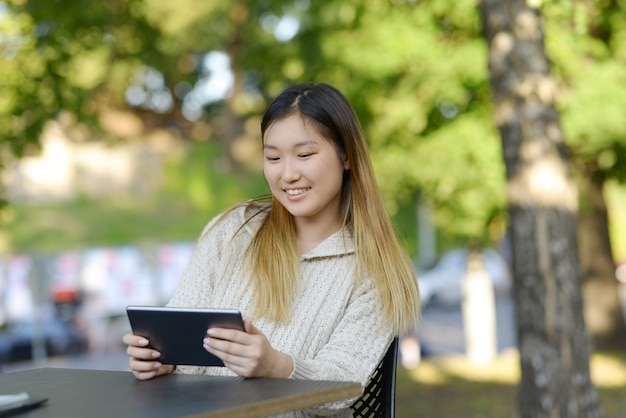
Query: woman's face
303, 170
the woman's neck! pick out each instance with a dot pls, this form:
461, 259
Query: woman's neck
310, 235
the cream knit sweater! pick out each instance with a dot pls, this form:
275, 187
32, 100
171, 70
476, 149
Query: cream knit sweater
336, 330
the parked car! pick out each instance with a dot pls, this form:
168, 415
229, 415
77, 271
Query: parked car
443, 283
5, 350
60, 338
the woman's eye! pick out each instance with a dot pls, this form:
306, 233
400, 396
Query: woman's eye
272, 158
306, 154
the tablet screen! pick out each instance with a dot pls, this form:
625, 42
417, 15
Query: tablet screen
178, 333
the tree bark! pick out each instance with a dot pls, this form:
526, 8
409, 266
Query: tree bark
231, 121
542, 203
603, 310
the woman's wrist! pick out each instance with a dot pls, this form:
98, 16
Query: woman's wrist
284, 365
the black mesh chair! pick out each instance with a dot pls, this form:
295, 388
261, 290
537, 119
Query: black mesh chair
379, 397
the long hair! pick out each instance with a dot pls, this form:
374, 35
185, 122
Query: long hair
272, 255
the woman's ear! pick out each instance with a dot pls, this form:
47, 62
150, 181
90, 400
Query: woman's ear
346, 162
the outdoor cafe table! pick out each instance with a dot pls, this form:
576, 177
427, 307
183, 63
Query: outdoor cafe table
105, 394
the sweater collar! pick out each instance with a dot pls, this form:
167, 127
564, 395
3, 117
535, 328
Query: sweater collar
339, 243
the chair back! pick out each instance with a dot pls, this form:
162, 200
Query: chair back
379, 397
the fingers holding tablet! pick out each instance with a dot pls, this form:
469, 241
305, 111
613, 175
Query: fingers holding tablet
138, 348
142, 360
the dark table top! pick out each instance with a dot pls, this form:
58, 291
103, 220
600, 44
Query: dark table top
106, 394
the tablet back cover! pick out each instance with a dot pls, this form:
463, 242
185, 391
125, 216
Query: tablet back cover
177, 333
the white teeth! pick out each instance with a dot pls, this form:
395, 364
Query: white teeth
294, 192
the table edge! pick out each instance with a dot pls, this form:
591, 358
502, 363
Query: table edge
296, 402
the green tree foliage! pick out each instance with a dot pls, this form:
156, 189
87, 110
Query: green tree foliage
82, 57
418, 79
587, 42
415, 72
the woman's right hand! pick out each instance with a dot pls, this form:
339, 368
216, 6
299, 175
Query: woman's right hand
144, 361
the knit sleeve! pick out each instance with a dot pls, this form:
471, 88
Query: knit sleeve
355, 348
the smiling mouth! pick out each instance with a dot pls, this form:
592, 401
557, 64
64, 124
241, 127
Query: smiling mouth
295, 192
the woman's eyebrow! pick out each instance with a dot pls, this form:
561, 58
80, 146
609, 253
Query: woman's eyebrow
297, 145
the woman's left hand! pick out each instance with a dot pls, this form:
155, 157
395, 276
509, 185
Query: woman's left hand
248, 354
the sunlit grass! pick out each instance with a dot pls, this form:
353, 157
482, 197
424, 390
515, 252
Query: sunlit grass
608, 371
451, 386
438, 370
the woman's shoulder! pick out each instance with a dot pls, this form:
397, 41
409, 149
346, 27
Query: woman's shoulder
248, 215
255, 210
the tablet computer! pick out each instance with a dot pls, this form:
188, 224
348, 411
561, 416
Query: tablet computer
177, 333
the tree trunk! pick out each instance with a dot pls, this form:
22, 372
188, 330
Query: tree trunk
542, 201
231, 121
603, 309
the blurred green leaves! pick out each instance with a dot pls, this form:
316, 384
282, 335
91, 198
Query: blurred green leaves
416, 73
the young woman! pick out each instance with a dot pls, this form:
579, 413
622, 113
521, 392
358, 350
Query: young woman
316, 269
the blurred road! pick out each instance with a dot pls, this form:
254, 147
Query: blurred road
440, 333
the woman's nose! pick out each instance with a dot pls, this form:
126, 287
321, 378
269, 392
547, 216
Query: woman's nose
290, 171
